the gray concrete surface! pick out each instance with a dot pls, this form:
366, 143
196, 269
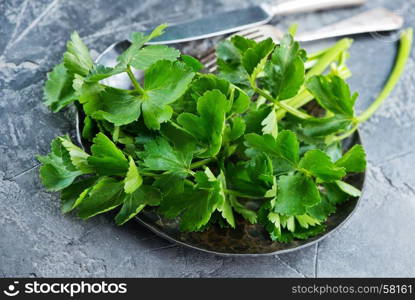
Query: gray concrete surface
36, 240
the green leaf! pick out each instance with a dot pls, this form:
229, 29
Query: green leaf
332, 93
72, 195
242, 44
241, 101
114, 105
246, 213
208, 127
322, 210
147, 56
295, 194
77, 58
229, 63
89, 130
165, 82
172, 188
58, 91
236, 75
100, 72
334, 151
201, 203
306, 221
320, 165
286, 145
180, 139
305, 233
334, 194
208, 82
235, 130
270, 124
285, 74
194, 205
353, 160
78, 156
274, 226
87, 92
321, 127
254, 117
253, 177
225, 208
159, 30
192, 62
105, 195
136, 201
254, 58
275, 223
228, 53
138, 40
57, 171
159, 155
106, 158
348, 189
133, 179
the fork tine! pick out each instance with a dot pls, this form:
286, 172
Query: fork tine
210, 62
208, 57
207, 54
213, 69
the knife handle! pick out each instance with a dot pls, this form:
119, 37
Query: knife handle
302, 6
379, 19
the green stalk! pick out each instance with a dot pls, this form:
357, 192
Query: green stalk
174, 124
286, 107
339, 138
201, 163
301, 99
316, 55
149, 174
329, 56
403, 55
116, 133
237, 194
136, 85
189, 182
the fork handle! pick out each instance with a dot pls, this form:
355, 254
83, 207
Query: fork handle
302, 6
371, 21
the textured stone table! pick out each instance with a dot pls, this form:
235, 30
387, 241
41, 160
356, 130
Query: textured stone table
36, 240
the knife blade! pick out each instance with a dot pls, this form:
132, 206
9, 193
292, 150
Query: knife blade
241, 19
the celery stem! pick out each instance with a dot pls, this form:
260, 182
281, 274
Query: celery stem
201, 163
282, 105
136, 85
403, 55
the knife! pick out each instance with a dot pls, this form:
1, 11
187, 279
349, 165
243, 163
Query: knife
241, 19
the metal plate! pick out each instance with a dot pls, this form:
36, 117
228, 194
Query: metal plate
246, 239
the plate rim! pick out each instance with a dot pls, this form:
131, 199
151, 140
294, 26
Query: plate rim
169, 238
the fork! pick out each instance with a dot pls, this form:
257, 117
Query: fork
375, 20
